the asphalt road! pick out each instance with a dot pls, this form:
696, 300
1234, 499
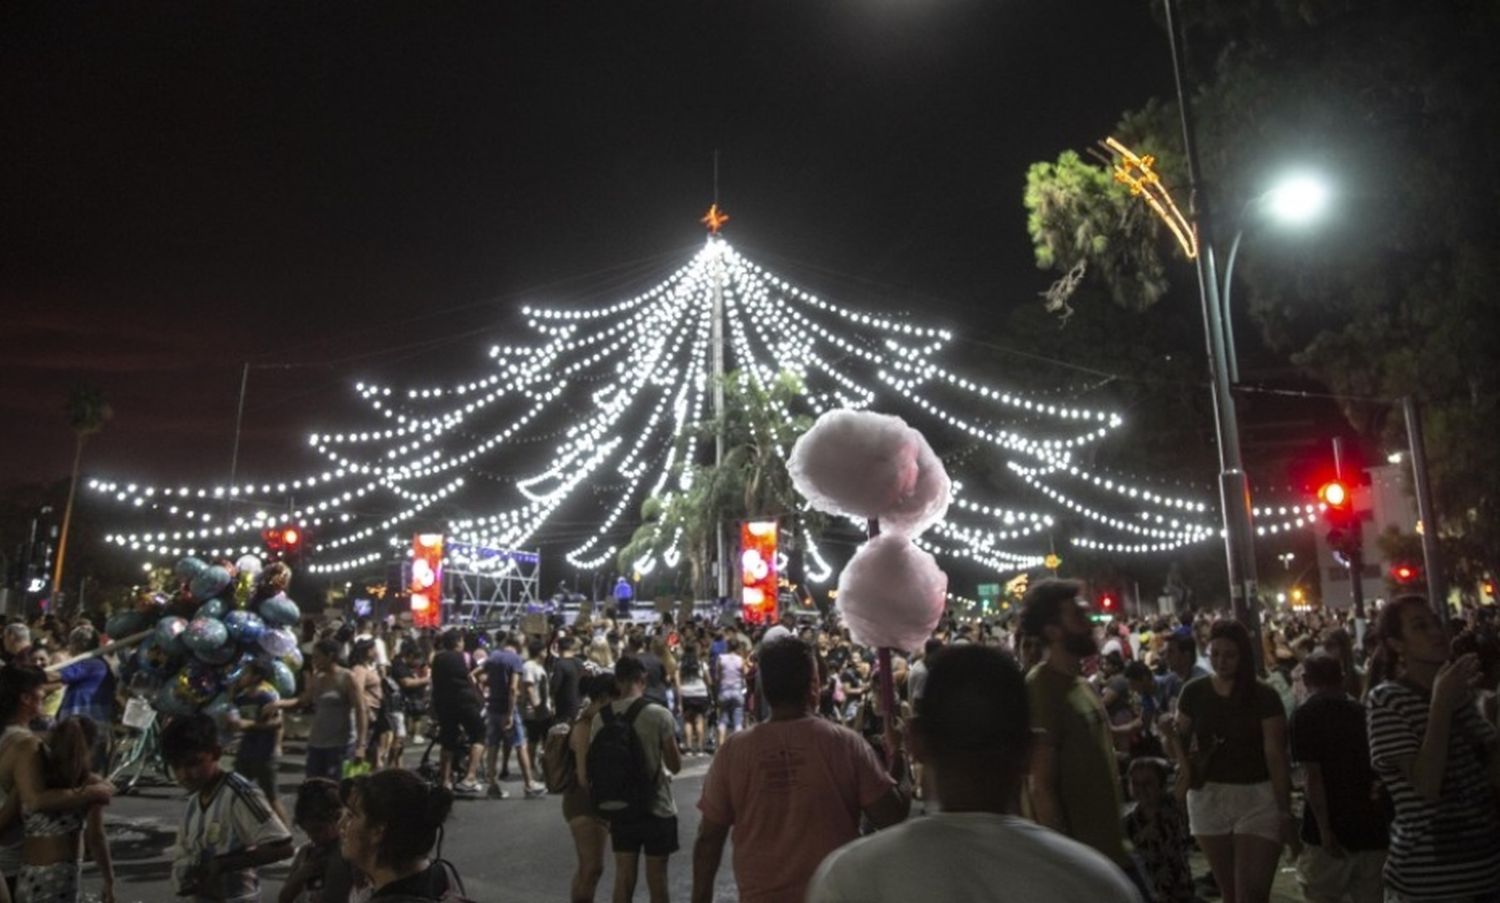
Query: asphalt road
506, 850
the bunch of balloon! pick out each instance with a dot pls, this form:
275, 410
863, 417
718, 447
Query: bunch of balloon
204, 630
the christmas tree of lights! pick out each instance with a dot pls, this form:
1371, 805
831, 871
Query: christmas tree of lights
619, 390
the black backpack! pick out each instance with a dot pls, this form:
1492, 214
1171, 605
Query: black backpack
620, 784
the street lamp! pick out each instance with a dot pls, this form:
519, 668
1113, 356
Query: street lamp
1297, 200
1234, 487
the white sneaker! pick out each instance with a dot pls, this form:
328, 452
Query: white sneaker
536, 790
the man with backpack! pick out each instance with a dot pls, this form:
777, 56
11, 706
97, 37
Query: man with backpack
632, 753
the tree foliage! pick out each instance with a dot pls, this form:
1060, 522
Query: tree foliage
751, 482
1394, 294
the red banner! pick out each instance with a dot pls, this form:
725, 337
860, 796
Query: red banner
426, 586
758, 570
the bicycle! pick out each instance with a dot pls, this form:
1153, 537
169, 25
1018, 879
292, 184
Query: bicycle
137, 754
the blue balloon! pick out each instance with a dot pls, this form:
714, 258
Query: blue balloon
244, 626
219, 706
280, 611
153, 659
169, 634
124, 623
219, 657
283, 679
188, 568
278, 642
169, 702
209, 582
213, 608
205, 635
233, 672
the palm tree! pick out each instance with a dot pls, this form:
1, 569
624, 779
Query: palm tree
87, 412
752, 482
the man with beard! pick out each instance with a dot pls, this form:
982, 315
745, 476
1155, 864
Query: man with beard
1070, 727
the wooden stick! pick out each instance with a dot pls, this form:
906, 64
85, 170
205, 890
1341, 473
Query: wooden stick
126, 642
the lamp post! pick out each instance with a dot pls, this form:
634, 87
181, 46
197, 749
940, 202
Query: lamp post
1296, 200
1234, 488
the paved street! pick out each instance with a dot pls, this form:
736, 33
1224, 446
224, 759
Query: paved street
515, 849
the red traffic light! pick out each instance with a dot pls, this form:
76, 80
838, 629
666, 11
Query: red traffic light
290, 537
1405, 573
1107, 602
1334, 494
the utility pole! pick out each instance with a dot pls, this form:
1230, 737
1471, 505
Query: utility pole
1234, 487
1432, 561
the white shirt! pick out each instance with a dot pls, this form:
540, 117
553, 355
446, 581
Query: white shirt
381, 657
237, 817
969, 856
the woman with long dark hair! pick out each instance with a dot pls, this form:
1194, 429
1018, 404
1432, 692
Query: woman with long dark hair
1436, 757
1233, 768
22, 781
50, 863
393, 822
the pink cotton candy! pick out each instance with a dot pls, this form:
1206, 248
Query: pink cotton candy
891, 593
927, 503
856, 462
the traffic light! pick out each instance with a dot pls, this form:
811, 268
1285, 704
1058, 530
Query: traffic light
1404, 573
1338, 509
1108, 603
285, 541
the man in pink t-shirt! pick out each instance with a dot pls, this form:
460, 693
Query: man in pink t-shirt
792, 788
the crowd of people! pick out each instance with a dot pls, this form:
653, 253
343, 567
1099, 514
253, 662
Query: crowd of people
1049, 755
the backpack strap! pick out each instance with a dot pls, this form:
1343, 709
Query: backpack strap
634, 710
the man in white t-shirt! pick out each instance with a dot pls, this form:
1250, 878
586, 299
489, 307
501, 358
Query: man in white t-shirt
972, 733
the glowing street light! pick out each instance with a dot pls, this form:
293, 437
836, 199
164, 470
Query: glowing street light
1296, 200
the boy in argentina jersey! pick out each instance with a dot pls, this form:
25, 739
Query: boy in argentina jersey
229, 829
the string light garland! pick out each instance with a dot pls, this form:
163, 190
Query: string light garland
615, 397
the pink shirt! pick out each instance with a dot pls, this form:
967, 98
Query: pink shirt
793, 791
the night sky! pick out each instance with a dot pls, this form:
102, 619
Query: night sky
373, 190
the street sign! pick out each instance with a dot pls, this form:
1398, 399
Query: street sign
988, 593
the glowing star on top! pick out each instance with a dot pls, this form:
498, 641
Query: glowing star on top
714, 219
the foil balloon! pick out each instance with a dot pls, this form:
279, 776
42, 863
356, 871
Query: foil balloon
219, 707
248, 564
278, 642
293, 660
233, 672
188, 568
219, 657
244, 626
170, 701
152, 658
213, 608
205, 635
197, 683
280, 611
209, 582
169, 633
124, 623
283, 679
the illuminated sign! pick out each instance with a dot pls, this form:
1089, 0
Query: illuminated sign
426, 586
758, 570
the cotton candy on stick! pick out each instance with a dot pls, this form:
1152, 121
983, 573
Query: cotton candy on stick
891, 593
856, 462
927, 502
